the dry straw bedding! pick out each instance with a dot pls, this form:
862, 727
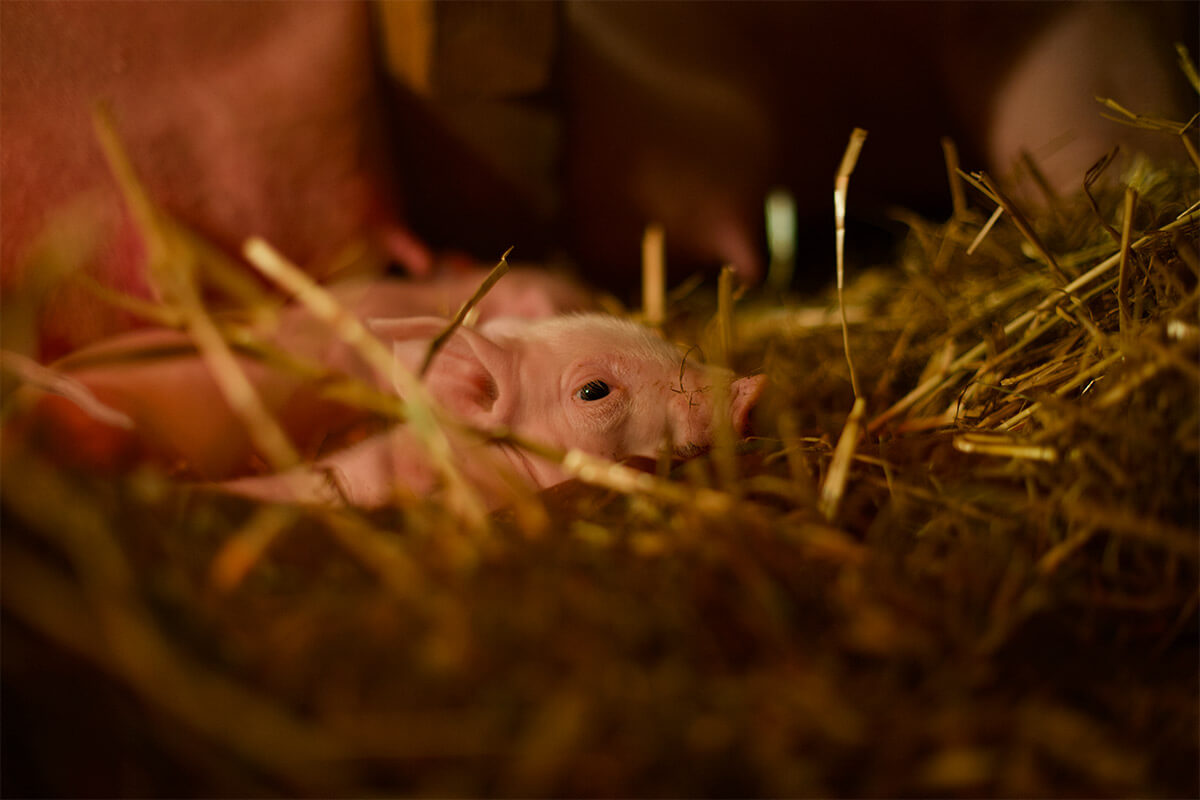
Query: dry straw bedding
982, 583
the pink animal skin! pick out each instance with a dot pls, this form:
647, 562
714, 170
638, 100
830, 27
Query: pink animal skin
591, 382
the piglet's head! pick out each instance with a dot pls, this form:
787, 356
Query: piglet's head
593, 382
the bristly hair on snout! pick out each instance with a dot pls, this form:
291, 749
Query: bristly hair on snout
682, 369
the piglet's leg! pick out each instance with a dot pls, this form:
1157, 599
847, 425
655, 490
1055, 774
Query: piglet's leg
367, 475
386, 468
180, 417
524, 292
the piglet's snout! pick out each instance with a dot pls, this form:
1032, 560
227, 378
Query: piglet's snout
743, 394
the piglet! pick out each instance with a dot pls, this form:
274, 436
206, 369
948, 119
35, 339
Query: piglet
591, 382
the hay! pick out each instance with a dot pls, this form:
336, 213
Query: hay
981, 578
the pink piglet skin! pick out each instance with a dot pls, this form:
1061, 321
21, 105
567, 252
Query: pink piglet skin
588, 382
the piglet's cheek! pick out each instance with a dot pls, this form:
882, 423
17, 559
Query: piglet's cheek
690, 417
700, 423
600, 427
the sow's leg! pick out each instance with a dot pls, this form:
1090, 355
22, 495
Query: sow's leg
1029, 76
241, 118
686, 115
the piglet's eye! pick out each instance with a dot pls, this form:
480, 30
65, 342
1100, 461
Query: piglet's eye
593, 390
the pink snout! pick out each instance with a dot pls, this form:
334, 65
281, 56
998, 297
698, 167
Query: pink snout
743, 394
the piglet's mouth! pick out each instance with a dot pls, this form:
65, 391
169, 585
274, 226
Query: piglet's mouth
743, 394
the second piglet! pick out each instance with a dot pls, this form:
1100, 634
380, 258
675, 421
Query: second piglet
590, 382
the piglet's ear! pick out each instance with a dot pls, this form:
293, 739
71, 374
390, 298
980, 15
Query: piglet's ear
471, 375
